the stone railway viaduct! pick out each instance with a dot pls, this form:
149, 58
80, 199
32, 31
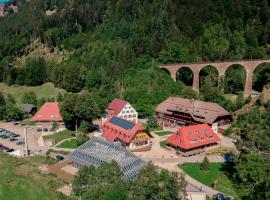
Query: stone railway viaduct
248, 65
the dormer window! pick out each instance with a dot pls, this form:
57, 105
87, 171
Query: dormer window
193, 141
210, 137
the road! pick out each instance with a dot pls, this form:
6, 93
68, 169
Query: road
168, 159
181, 160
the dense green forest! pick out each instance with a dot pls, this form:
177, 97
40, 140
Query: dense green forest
116, 45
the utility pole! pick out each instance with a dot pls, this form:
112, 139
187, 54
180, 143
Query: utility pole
25, 141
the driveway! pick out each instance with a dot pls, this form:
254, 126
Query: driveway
167, 159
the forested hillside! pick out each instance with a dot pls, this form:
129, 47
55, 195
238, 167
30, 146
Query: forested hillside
116, 45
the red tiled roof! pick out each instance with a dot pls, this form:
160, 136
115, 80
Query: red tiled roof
48, 112
113, 131
115, 107
183, 136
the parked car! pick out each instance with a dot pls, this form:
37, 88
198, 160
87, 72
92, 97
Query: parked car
220, 196
13, 139
13, 135
6, 149
234, 140
5, 137
19, 143
2, 148
59, 157
10, 150
228, 158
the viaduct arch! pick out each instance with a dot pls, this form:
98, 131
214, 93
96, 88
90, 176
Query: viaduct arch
249, 66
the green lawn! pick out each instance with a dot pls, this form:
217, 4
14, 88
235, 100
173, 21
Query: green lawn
162, 133
57, 137
164, 143
46, 90
71, 144
20, 180
231, 97
225, 184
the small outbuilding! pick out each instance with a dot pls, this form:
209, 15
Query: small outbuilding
30, 109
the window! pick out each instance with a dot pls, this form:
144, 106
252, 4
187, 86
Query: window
202, 139
198, 131
210, 137
129, 116
131, 111
127, 111
193, 141
123, 112
134, 115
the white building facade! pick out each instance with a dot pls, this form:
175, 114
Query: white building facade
120, 108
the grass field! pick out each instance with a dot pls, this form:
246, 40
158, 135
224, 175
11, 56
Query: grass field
46, 90
231, 97
71, 144
20, 180
216, 171
164, 143
162, 133
57, 137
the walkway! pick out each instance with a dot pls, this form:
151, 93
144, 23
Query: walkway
173, 167
168, 159
56, 148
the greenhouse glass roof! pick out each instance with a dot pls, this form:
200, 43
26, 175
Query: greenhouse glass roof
98, 150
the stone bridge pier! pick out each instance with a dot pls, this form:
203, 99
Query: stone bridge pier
248, 65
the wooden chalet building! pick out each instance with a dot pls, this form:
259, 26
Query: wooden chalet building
177, 111
193, 139
48, 114
129, 134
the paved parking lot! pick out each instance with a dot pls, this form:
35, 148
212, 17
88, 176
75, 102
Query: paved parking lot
18, 129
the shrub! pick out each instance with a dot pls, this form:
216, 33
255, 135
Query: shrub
205, 166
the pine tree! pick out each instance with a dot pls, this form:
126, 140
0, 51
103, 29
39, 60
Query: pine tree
205, 164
